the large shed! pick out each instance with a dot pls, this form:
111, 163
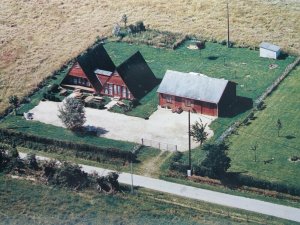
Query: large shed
268, 50
196, 92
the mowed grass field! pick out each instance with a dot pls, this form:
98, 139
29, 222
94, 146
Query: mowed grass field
23, 202
283, 104
38, 36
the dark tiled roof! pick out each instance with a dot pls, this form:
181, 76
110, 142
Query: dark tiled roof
96, 58
137, 75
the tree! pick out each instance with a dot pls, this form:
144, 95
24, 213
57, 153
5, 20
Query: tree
254, 148
108, 183
32, 162
69, 175
124, 19
216, 162
72, 113
116, 30
13, 100
198, 132
279, 126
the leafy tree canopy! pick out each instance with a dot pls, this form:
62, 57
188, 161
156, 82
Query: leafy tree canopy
217, 160
72, 113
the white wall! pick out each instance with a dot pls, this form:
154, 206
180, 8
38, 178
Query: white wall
268, 54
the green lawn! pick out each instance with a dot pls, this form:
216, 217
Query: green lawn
24, 202
241, 65
283, 104
49, 131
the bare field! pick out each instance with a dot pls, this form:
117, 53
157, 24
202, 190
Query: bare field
38, 36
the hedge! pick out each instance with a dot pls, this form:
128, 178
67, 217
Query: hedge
238, 179
77, 149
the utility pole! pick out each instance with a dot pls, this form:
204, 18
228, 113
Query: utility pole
228, 40
189, 172
131, 170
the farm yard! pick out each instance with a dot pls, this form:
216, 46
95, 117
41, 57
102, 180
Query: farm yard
274, 153
241, 65
162, 128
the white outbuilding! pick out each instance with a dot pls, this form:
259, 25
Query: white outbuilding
268, 50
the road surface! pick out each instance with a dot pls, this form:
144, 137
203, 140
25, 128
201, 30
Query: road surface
258, 206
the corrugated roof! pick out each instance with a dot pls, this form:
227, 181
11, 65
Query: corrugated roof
193, 86
269, 46
103, 72
137, 75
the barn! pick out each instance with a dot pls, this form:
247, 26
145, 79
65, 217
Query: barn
197, 93
95, 72
267, 50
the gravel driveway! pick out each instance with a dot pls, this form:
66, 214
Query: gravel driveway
162, 126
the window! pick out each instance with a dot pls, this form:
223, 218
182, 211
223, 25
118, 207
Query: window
124, 92
106, 90
128, 94
188, 102
169, 98
115, 89
119, 90
110, 89
75, 80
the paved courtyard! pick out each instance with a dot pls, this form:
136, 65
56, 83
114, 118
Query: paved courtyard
162, 126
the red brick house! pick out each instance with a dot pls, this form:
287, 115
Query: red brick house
95, 72
196, 92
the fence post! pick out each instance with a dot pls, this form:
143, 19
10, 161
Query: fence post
175, 148
142, 141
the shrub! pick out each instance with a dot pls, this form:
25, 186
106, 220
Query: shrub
54, 88
140, 27
70, 176
32, 162
52, 145
200, 44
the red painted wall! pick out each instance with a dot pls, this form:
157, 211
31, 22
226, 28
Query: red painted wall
195, 106
76, 71
118, 87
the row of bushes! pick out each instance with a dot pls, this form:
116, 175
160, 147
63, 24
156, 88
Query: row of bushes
51, 97
94, 105
238, 179
78, 149
65, 174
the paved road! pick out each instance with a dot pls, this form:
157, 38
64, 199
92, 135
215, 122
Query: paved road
271, 209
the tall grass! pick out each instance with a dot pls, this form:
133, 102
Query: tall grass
38, 36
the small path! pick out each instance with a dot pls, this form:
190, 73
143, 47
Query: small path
151, 167
253, 205
110, 104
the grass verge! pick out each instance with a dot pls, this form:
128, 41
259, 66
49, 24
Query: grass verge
28, 203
